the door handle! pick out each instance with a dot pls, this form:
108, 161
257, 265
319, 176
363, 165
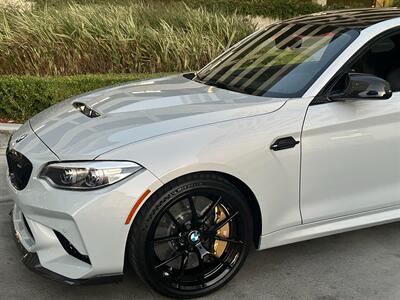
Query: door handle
284, 143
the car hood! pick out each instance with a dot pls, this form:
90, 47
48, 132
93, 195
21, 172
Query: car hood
139, 110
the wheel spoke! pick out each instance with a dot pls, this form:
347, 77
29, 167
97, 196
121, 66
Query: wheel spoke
195, 216
166, 239
221, 224
184, 261
209, 211
201, 267
175, 256
175, 221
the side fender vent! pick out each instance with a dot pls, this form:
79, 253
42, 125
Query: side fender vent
86, 110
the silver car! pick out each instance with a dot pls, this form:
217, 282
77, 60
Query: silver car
292, 134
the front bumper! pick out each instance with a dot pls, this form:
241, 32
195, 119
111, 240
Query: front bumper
59, 229
31, 260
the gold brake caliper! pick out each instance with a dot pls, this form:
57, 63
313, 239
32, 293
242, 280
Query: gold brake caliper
224, 231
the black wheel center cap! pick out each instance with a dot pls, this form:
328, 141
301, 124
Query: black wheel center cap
194, 237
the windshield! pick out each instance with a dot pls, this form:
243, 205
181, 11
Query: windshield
282, 60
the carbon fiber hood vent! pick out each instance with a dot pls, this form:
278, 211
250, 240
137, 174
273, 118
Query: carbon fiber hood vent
86, 110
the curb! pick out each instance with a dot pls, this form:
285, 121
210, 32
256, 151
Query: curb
6, 130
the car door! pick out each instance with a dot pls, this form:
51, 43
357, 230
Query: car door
351, 149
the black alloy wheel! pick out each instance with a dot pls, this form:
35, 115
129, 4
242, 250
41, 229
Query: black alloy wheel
191, 237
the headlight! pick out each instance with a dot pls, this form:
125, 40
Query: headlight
88, 175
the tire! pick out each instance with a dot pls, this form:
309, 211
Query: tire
191, 237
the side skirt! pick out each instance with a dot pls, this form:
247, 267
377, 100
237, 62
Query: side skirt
329, 227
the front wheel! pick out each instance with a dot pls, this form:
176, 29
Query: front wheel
191, 237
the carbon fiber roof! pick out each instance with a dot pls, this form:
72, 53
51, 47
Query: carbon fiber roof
351, 18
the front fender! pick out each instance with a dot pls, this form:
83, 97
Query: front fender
239, 148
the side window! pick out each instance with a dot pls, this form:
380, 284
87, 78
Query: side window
382, 60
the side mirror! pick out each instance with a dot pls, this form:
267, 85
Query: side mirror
359, 86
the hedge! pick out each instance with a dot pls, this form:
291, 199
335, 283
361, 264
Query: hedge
21, 97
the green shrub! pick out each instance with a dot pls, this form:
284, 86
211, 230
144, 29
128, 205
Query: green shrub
84, 39
24, 96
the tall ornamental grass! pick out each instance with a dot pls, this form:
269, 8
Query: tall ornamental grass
276, 9
140, 38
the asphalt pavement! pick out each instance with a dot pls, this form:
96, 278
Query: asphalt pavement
363, 264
